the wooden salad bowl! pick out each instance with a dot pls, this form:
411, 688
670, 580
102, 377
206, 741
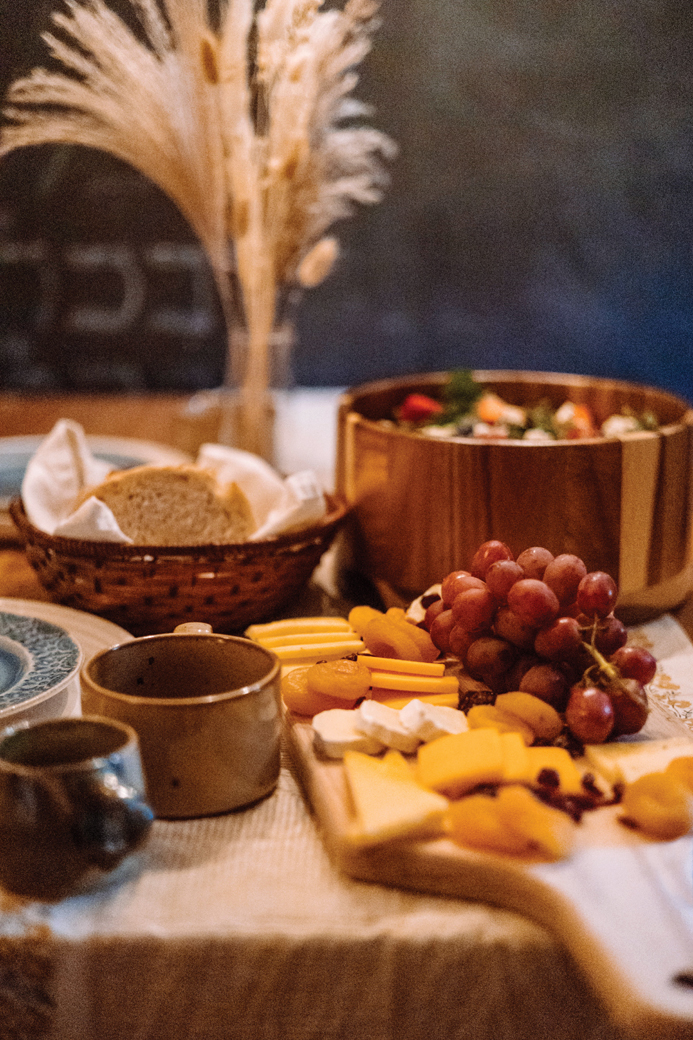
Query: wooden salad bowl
421, 506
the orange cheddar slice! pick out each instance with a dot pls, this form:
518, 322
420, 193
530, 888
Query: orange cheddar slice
415, 683
515, 760
389, 697
558, 759
391, 664
455, 764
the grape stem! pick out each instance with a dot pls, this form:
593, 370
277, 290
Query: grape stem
609, 670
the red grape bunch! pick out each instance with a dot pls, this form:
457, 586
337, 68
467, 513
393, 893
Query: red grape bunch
545, 625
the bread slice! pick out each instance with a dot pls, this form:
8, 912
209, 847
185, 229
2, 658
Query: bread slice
175, 505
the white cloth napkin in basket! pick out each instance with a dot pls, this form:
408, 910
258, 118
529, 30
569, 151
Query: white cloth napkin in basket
63, 466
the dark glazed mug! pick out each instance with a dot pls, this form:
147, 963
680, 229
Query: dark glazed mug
72, 803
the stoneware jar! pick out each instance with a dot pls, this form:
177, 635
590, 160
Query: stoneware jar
206, 708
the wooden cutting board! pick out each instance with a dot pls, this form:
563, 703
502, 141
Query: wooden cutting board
622, 904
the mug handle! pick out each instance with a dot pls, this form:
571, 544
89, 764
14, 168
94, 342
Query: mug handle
112, 821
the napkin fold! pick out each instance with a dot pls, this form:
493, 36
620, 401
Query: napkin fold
63, 467
59, 470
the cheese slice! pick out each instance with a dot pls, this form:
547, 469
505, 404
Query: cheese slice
395, 764
292, 626
429, 721
271, 642
384, 723
392, 664
334, 732
389, 806
455, 764
310, 651
515, 761
414, 683
625, 761
558, 759
390, 697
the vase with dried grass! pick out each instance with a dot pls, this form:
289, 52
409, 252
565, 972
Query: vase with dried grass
248, 123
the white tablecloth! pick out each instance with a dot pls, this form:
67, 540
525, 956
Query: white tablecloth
239, 926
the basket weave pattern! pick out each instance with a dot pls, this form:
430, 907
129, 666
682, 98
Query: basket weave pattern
148, 589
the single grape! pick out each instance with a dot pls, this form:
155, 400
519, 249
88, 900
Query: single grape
547, 682
634, 662
460, 640
487, 554
501, 576
448, 590
559, 640
631, 708
563, 574
533, 601
590, 714
534, 561
597, 594
519, 669
440, 630
473, 609
432, 611
610, 635
508, 625
489, 657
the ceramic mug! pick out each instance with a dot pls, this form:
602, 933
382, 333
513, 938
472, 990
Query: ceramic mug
72, 803
206, 709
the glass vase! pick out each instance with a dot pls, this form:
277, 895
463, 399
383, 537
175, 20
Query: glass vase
247, 400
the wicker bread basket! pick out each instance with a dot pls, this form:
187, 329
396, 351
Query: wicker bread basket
148, 589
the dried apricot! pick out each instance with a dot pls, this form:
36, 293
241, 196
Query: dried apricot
385, 638
360, 616
682, 769
487, 716
301, 700
343, 679
427, 648
475, 822
659, 804
513, 822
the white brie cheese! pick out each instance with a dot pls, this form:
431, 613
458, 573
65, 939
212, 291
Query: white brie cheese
384, 723
428, 721
334, 733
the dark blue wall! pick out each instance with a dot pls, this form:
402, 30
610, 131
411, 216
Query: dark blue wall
540, 216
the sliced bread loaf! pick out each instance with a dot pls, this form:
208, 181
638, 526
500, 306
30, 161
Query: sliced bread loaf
175, 505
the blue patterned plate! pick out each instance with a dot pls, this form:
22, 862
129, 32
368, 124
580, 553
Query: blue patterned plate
37, 660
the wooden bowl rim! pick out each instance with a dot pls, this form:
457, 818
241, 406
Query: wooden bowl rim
338, 508
347, 399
